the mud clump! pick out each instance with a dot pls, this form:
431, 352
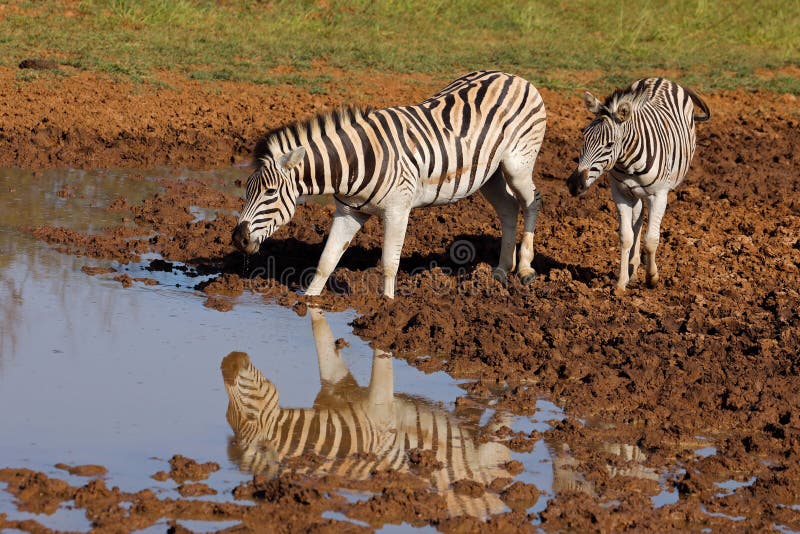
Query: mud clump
228, 285
183, 469
469, 488
401, 505
423, 462
117, 243
124, 279
92, 271
36, 492
520, 496
83, 470
219, 304
195, 490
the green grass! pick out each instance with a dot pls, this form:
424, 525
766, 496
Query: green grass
714, 45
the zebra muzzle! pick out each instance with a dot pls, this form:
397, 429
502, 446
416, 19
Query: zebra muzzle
577, 182
242, 240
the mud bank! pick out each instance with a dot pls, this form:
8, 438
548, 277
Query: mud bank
708, 357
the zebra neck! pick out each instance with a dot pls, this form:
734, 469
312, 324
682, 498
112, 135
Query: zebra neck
630, 147
326, 169
308, 187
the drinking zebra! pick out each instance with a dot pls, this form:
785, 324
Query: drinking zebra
354, 430
644, 137
481, 132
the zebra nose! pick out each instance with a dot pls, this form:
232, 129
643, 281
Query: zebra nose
241, 236
577, 182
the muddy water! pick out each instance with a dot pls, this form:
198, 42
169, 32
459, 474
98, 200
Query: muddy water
92, 372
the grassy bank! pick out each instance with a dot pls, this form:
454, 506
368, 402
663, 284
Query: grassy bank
713, 45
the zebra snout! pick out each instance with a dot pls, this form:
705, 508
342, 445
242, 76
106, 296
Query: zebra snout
577, 182
241, 238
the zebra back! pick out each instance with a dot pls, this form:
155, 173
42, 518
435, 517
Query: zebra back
656, 118
454, 139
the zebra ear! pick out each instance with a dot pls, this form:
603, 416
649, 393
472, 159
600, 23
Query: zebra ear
623, 112
592, 104
292, 159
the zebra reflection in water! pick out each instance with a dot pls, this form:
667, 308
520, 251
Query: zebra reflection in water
348, 420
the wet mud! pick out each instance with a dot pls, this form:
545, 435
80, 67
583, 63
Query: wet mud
709, 358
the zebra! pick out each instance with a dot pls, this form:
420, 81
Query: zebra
481, 132
644, 137
353, 430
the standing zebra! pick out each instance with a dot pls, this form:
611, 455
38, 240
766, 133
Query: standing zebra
356, 430
644, 136
481, 132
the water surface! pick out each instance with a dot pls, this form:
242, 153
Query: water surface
94, 373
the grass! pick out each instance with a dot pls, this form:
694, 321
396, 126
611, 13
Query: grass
712, 45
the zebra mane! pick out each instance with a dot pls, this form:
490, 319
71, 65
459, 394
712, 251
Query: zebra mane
328, 121
637, 93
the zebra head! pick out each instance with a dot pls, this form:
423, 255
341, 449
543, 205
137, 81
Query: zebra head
270, 200
602, 142
253, 411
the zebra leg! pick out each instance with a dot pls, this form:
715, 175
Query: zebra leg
625, 207
530, 213
507, 210
658, 205
518, 176
636, 254
346, 222
332, 368
381, 390
395, 222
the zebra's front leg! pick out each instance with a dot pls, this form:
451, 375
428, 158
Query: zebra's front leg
636, 253
346, 222
380, 397
657, 207
625, 208
395, 222
332, 368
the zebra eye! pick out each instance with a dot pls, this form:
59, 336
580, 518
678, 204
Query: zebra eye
609, 144
271, 191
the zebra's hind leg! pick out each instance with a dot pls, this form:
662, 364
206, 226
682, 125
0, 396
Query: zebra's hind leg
507, 210
518, 175
636, 253
346, 222
658, 205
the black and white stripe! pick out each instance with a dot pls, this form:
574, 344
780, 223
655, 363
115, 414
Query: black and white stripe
483, 131
644, 136
354, 431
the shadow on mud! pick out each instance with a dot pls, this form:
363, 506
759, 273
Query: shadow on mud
292, 262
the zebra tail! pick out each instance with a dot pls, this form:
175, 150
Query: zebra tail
699, 103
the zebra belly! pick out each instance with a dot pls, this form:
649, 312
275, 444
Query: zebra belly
641, 186
451, 186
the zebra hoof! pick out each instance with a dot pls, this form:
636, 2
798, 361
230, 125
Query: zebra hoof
652, 280
500, 275
527, 278
619, 291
